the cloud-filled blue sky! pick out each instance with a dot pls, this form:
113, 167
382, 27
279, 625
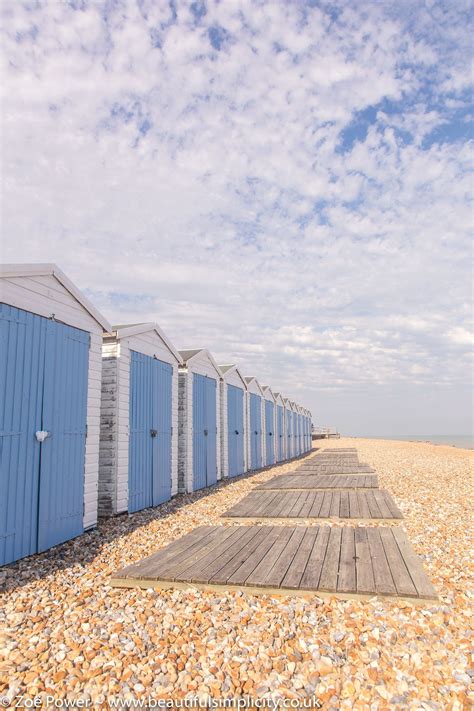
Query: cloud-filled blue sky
285, 183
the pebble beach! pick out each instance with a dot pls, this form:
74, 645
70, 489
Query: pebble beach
66, 633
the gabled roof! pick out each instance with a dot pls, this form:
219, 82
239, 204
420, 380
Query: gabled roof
31, 270
249, 379
267, 390
134, 329
226, 370
188, 354
279, 396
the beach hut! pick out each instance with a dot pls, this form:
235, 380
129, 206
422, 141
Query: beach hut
288, 412
255, 419
138, 464
50, 375
269, 412
279, 428
199, 445
233, 421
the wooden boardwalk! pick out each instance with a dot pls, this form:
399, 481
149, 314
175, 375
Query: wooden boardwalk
296, 560
310, 481
355, 504
335, 469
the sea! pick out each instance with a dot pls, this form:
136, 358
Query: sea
462, 441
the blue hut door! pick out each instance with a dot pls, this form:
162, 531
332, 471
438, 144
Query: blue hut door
43, 387
149, 467
279, 432
255, 431
61, 500
289, 435
211, 437
235, 430
269, 432
204, 431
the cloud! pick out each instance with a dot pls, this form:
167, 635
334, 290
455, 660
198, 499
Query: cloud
280, 182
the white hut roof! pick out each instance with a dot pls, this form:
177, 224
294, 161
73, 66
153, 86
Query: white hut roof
31, 270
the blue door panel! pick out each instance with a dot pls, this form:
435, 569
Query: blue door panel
269, 432
255, 431
161, 423
289, 434
199, 440
61, 500
22, 340
235, 430
43, 386
279, 433
140, 458
211, 426
204, 431
149, 470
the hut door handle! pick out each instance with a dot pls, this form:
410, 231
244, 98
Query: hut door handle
41, 435
236, 431
270, 433
256, 432
153, 433
205, 433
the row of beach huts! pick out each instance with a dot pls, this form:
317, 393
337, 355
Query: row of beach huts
98, 419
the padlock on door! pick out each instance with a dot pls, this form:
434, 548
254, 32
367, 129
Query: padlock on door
41, 435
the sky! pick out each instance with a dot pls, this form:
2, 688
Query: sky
285, 183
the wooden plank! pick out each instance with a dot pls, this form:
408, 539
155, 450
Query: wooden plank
187, 547
372, 504
326, 505
306, 508
264, 503
364, 571
293, 482
312, 572
142, 568
329, 571
258, 575
396, 513
354, 509
346, 579
335, 506
175, 568
382, 504
282, 503
401, 576
384, 584
251, 562
276, 574
423, 585
363, 505
300, 560
239, 544
344, 505
221, 577
195, 571
317, 503
294, 511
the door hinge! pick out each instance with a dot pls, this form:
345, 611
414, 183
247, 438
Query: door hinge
87, 431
